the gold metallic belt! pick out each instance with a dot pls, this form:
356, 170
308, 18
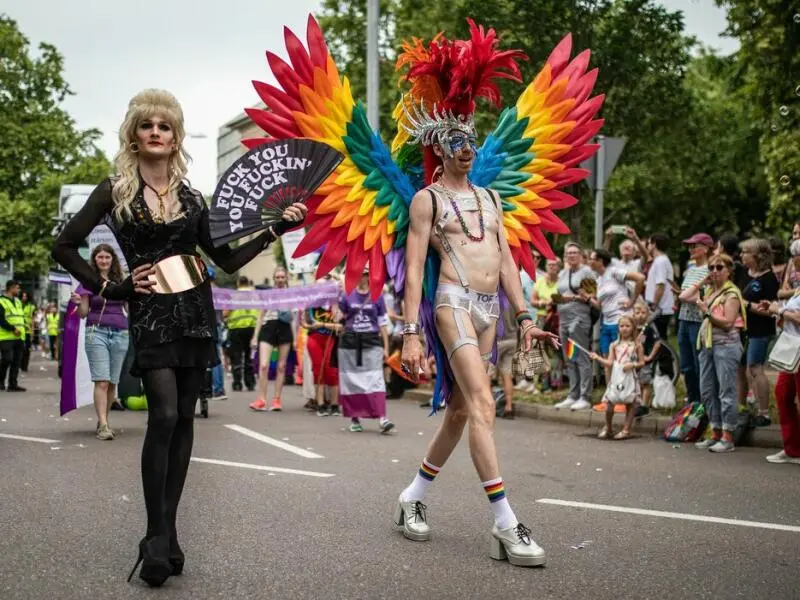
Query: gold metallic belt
178, 273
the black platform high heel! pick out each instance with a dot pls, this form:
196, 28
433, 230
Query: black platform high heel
156, 567
176, 557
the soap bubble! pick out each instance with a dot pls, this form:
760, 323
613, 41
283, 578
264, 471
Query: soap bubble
797, 18
797, 91
785, 181
783, 110
774, 127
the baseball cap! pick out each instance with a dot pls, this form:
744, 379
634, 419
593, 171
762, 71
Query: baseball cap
700, 238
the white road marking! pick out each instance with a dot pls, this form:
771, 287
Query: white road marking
272, 441
25, 438
271, 470
670, 515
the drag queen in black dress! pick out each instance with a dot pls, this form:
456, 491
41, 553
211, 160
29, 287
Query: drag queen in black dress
155, 216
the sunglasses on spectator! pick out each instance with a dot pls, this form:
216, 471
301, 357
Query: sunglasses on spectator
717, 267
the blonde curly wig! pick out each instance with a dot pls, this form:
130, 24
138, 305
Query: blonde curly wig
146, 105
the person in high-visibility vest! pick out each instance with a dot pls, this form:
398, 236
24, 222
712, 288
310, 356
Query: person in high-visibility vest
51, 319
241, 324
28, 308
12, 337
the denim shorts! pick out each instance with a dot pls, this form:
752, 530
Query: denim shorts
757, 348
106, 349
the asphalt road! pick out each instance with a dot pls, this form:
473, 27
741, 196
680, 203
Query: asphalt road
71, 512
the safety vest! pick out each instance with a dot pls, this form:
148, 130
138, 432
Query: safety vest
52, 324
242, 318
15, 317
29, 309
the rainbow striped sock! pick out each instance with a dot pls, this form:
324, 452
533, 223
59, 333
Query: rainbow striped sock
504, 517
495, 490
424, 477
428, 471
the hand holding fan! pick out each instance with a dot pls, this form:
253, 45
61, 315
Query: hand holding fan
255, 191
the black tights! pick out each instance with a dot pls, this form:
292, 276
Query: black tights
171, 398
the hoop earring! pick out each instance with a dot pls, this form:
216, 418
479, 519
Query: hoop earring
134, 147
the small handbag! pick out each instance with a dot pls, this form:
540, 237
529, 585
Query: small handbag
785, 355
531, 363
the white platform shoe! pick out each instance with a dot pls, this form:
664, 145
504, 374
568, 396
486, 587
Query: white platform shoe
412, 518
515, 545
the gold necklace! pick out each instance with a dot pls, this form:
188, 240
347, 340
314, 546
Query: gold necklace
161, 208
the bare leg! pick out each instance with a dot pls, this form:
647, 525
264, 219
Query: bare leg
280, 371
469, 370
449, 433
111, 397
264, 352
647, 394
101, 401
333, 390
609, 417
760, 386
630, 413
508, 391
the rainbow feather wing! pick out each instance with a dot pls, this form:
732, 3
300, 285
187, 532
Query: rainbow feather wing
534, 150
360, 213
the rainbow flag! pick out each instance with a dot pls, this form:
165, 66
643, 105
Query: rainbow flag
570, 349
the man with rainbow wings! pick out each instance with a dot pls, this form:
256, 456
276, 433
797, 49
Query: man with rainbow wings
451, 223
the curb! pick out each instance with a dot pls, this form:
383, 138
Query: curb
760, 437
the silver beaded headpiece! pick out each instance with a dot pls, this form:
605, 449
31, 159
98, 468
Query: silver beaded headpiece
429, 129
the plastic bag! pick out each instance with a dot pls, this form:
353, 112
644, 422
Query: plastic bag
663, 392
621, 386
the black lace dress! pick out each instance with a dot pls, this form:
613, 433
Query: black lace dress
167, 330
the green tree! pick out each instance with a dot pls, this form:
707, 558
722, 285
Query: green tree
768, 72
37, 137
26, 222
703, 173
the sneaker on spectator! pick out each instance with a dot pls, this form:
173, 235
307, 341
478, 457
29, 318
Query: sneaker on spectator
722, 446
566, 403
219, 396
705, 444
521, 385
322, 411
334, 411
581, 404
762, 421
781, 458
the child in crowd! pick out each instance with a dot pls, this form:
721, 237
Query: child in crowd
651, 345
625, 356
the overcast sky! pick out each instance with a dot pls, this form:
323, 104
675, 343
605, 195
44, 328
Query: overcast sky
205, 52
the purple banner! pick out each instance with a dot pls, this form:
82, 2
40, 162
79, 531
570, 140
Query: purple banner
277, 298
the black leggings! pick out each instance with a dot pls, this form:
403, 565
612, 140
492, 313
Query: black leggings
171, 397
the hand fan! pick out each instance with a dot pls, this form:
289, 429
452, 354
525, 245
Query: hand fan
260, 185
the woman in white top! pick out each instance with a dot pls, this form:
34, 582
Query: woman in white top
787, 388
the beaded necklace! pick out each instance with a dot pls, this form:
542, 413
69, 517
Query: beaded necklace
451, 196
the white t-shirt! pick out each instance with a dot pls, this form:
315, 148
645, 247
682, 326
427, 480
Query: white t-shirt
632, 266
790, 327
660, 272
612, 291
